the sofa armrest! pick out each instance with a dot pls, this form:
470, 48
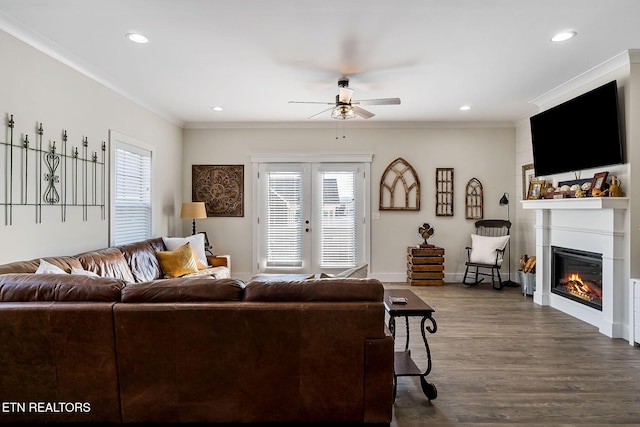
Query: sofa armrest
219, 261
379, 377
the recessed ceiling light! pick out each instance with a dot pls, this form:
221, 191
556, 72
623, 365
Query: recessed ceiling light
563, 36
465, 108
137, 38
217, 108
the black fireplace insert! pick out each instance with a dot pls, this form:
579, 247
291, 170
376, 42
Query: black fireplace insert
577, 275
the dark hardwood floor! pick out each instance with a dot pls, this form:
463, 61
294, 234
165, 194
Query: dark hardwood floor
499, 359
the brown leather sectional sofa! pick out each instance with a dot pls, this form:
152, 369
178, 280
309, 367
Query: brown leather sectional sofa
86, 349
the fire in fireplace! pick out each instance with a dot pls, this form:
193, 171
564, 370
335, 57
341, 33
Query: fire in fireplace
577, 275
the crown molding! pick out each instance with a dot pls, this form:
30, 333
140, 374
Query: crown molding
620, 60
349, 125
311, 157
50, 48
634, 56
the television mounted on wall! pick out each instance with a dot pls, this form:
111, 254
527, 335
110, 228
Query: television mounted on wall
581, 133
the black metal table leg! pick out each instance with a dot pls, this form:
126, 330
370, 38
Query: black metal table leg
404, 364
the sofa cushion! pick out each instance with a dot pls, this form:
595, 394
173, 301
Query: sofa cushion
196, 242
484, 249
183, 289
176, 263
359, 272
48, 268
215, 272
30, 266
22, 287
287, 277
332, 289
109, 262
83, 272
142, 259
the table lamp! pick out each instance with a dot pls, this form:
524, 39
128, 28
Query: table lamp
193, 210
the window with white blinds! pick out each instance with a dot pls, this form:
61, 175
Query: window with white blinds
284, 219
338, 239
131, 194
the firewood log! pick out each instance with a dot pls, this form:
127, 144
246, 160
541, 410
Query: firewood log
530, 266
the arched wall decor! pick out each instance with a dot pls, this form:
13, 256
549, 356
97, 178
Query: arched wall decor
474, 199
399, 175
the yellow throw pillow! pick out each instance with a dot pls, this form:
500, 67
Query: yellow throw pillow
177, 263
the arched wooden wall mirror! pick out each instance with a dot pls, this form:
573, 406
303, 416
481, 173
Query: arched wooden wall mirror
474, 200
399, 187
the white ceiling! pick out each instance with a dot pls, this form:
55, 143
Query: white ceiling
253, 56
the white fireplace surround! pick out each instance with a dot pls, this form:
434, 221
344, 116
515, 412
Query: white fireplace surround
594, 224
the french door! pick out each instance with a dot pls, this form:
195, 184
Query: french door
311, 217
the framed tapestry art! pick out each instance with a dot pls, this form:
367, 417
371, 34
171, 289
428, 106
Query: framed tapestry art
220, 187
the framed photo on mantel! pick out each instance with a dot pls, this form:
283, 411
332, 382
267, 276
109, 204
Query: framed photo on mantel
527, 177
599, 180
535, 189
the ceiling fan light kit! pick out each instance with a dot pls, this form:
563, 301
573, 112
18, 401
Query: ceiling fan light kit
345, 108
343, 112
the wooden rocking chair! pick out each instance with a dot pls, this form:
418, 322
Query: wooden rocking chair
486, 253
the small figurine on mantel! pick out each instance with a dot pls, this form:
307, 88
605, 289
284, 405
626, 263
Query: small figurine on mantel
426, 231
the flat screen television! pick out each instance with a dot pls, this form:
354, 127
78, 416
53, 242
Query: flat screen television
581, 133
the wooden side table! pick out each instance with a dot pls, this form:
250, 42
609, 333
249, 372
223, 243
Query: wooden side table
404, 365
425, 266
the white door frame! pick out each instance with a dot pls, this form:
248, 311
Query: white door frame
366, 159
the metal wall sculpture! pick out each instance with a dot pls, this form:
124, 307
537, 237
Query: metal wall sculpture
399, 175
41, 174
220, 187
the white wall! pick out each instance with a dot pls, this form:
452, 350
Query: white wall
625, 69
37, 89
622, 69
632, 190
485, 153
525, 219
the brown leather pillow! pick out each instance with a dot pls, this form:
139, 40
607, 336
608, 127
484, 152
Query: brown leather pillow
179, 262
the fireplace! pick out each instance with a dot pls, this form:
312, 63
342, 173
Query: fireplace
594, 224
577, 275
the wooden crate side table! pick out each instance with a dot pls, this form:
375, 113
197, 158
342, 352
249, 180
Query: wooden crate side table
425, 266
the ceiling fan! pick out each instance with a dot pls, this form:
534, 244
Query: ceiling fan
344, 107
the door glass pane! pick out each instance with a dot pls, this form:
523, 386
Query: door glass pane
338, 222
284, 219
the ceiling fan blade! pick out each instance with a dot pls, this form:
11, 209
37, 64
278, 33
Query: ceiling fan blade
362, 112
381, 101
323, 111
312, 102
345, 95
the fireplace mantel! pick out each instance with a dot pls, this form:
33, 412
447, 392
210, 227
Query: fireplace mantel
578, 203
594, 224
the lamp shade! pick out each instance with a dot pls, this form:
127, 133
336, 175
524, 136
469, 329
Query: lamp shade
504, 200
193, 210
